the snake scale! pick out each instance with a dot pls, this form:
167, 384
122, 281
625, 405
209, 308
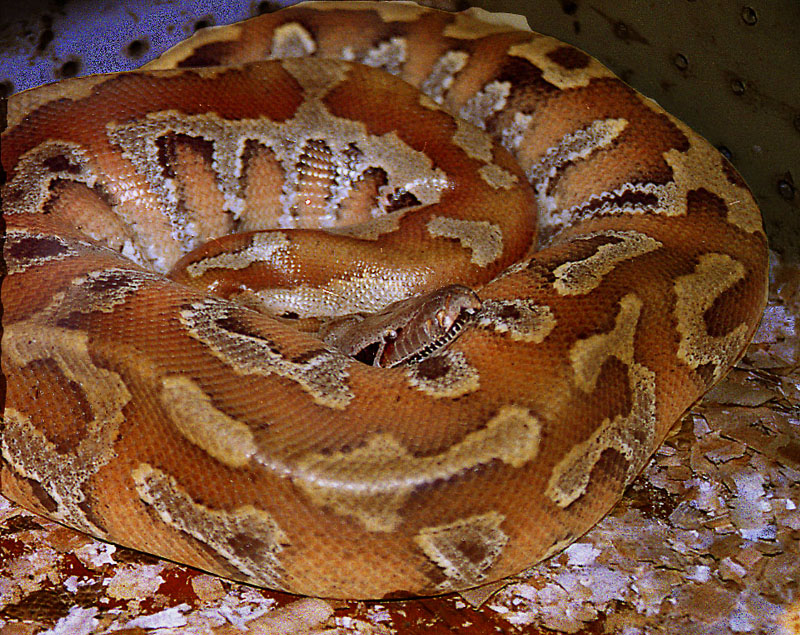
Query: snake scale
359, 299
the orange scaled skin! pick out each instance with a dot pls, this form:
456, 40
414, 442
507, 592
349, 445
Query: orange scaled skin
159, 416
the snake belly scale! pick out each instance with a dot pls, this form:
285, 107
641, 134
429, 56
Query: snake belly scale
173, 234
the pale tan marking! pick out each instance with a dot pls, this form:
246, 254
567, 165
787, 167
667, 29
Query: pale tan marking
292, 40
444, 375
689, 172
193, 414
580, 277
374, 228
587, 356
30, 452
266, 246
98, 291
30, 187
172, 58
263, 539
323, 376
372, 482
483, 238
426, 102
521, 266
137, 141
536, 51
26, 101
31, 455
474, 141
696, 293
631, 435
388, 11
408, 170
497, 177
443, 74
15, 238
478, 145
522, 319
475, 23
487, 101
126, 197
452, 547
571, 148
316, 76
26, 342
576, 146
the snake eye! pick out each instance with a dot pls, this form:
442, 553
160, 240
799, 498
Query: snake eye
444, 319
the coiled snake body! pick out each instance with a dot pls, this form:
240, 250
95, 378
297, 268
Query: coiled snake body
243, 401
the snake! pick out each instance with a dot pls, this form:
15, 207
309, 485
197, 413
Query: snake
359, 299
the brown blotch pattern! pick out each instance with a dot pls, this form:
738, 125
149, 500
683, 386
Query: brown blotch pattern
231, 335
444, 375
464, 550
247, 538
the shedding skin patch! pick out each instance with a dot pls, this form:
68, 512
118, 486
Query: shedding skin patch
247, 538
445, 375
521, 319
370, 291
541, 52
580, 277
193, 414
483, 238
25, 446
373, 482
630, 435
696, 292
465, 549
262, 247
215, 322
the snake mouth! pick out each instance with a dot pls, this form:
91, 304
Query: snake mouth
464, 317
